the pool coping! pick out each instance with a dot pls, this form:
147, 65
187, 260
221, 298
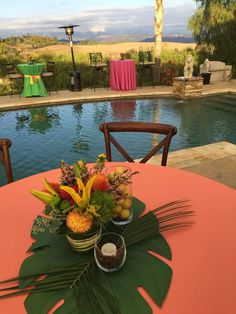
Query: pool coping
100, 94
216, 161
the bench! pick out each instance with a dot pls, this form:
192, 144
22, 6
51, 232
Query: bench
218, 69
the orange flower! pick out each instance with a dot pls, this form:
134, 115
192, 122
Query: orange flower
78, 223
101, 182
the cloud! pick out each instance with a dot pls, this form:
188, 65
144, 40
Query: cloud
97, 29
119, 21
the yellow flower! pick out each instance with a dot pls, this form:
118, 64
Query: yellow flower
81, 163
78, 223
102, 156
81, 200
92, 209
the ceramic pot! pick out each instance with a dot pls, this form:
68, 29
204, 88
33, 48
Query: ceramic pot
85, 242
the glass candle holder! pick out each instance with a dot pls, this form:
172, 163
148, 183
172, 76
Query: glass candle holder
120, 179
110, 252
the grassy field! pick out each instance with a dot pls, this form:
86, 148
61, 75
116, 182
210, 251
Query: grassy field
109, 50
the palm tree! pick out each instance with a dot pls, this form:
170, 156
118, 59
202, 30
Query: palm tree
158, 27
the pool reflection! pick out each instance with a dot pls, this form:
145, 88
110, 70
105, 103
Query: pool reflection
37, 120
42, 136
79, 143
123, 109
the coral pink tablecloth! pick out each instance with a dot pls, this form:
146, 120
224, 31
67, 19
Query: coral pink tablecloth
204, 255
122, 75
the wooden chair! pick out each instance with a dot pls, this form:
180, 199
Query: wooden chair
49, 75
146, 127
5, 144
145, 63
14, 76
98, 68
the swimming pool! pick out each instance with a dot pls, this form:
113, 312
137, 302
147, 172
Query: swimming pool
43, 136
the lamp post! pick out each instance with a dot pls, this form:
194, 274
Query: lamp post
75, 80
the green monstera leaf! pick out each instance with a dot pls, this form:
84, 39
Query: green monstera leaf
54, 272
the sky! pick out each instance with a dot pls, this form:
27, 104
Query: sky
121, 17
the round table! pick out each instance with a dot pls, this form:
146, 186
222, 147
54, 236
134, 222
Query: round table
123, 75
204, 255
33, 83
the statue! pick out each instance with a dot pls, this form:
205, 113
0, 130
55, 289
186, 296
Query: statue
207, 65
188, 67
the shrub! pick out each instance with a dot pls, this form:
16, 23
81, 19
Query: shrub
169, 70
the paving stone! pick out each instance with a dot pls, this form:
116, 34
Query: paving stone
87, 95
216, 161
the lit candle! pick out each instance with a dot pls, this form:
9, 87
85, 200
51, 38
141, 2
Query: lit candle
109, 249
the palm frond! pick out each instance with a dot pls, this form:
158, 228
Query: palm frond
161, 219
88, 284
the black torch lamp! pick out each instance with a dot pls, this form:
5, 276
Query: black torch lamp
75, 79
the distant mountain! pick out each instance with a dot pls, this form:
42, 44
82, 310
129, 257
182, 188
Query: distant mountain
67, 40
179, 38
100, 37
118, 38
173, 39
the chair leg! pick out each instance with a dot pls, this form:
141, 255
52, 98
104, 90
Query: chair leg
49, 86
7, 163
104, 78
56, 88
141, 77
107, 80
93, 79
152, 76
11, 88
18, 87
91, 82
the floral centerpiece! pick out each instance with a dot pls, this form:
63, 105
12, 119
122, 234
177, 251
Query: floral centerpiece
84, 200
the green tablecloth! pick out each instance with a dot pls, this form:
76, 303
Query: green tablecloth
33, 83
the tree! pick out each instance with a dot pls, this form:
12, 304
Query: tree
158, 28
206, 3
213, 26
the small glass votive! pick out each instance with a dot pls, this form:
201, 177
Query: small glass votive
110, 252
120, 178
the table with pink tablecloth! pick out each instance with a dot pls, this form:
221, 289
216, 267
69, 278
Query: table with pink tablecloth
204, 255
122, 75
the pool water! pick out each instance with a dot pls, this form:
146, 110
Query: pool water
43, 136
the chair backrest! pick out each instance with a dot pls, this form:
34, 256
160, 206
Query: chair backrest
157, 128
5, 144
10, 68
145, 56
125, 56
95, 58
51, 66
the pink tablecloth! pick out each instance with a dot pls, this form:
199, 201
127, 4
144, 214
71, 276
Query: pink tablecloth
204, 255
122, 75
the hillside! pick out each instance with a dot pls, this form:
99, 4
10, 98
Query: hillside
110, 50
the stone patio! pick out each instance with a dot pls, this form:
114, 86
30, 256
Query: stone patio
216, 161
88, 95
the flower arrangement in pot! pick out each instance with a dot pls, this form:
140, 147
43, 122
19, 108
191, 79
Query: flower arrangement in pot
83, 201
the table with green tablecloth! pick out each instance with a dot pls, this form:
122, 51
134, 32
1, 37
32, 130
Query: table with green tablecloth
33, 83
